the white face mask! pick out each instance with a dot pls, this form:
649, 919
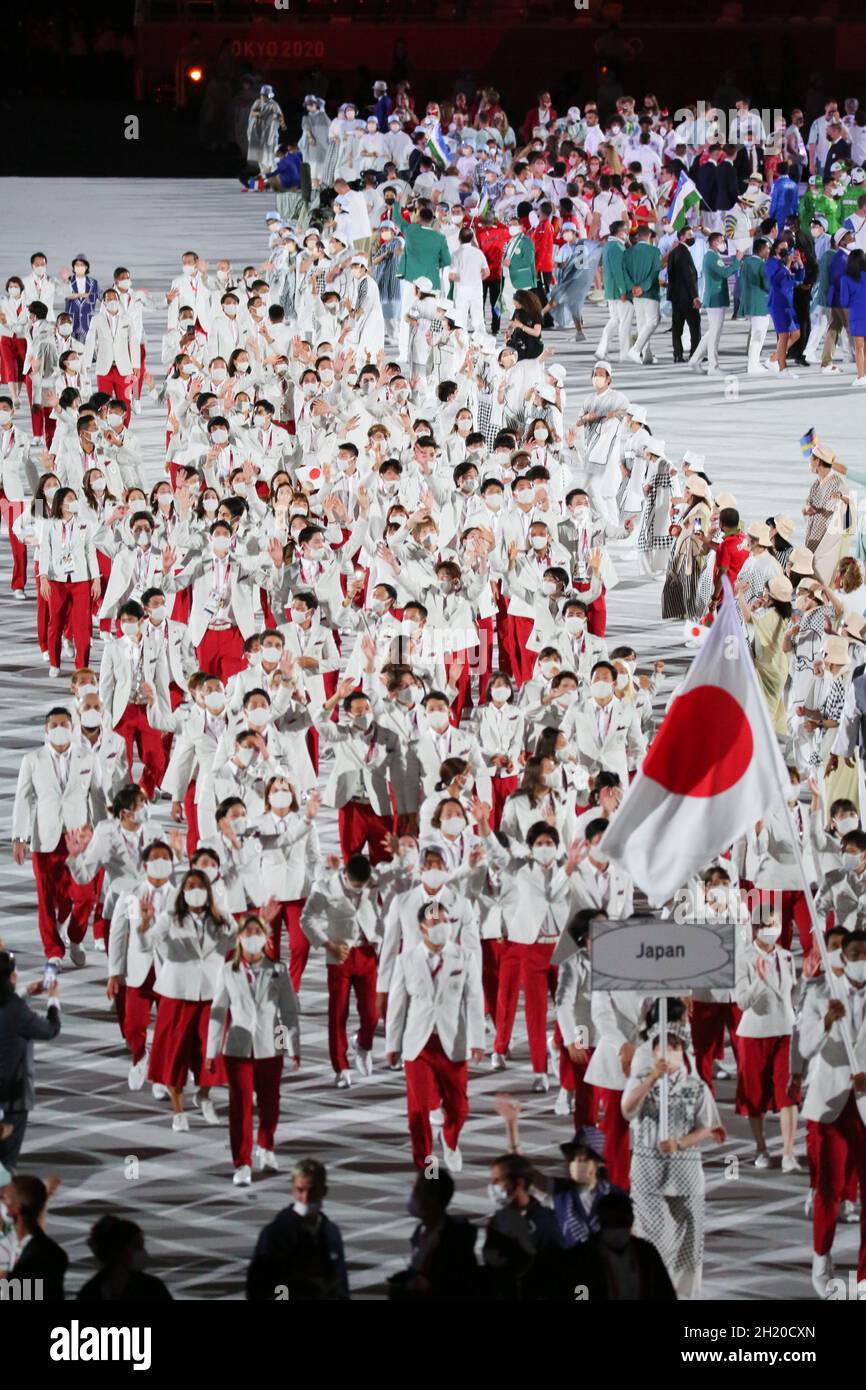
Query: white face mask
835, 959
307, 1208
209, 505
600, 690
538, 542
158, 869
72, 506
544, 854
244, 755
129, 629
239, 825
259, 717
539, 432
769, 934
220, 545
855, 970
65, 330
453, 827
438, 720
281, 800
84, 690
437, 933
548, 586
500, 694
219, 436
123, 285
215, 701
575, 625
253, 945
494, 500
189, 270
142, 538
157, 615
622, 680
846, 823
548, 669
97, 485
195, 897
362, 722
90, 719
59, 736
552, 779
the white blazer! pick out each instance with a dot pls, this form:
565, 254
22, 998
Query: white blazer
187, 967
42, 811
130, 951
120, 348
245, 578
768, 1010
402, 932
291, 857
617, 902
132, 571
14, 450
828, 1083
531, 897
618, 1017
500, 731
451, 1004
67, 550
254, 1019
117, 671
574, 1001
624, 741
331, 913
363, 761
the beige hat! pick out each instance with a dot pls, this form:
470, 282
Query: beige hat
785, 527
726, 499
808, 586
836, 651
780, 587
855, 625
760, 532
824, 453
801, 561
697, 486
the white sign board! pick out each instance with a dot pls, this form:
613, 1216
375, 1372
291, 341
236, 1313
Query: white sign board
646, 954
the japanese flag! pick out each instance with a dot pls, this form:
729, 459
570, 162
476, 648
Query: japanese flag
711, 772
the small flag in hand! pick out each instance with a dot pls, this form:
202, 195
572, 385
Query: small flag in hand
807, 443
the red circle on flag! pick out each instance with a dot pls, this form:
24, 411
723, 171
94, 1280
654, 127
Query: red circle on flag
704, 746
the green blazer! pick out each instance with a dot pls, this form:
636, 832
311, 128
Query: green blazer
716, 277
823, 282
754, 288
641, 264
612, 258
520, 263
425, 252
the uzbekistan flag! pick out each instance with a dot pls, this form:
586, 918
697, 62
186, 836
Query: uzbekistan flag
685, 196
436, 146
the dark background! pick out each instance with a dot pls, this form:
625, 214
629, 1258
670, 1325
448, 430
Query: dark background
72, 74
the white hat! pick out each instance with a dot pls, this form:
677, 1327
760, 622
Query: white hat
760, 532
855, 625
725, 499
858, 175
424, 284
639, 413
836, 651
547, 393
557, 371
779, 587
698, 486
694, 459
656, 447
603, 366
358, 260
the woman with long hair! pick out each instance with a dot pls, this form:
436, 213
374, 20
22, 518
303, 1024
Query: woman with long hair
852, 296
190, 943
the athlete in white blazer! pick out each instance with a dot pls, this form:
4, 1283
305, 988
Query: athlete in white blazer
112, 345
605, 730
766, 981
618, 1017
131, 965
436, 1020
402, 931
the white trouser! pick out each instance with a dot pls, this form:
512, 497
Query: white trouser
619, 322
469, 300
407, 297
646, 318
506, 298
820, 324
709, 345
758, 327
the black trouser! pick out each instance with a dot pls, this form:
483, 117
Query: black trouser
542, 289
492, 291
802, 300
10, 1147
681, 315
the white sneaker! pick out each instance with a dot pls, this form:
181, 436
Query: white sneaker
54, 672
206, 1106
243, 1176
99, 944
848, 1213
859, 381
77, 953
68, 649
266, 1158
634, 356
722, 1073
364, 1061
343, 1080
773, 366
19, 594
762, 1160
790, 1164
822, 1273
437, 1118
830, 370
757, 371
136, 406
497, 1061
790, 376
45, 657
541, 1083
137, 1074
809, 1204
564, 1102
158, 1091
453, 1158
180, 1123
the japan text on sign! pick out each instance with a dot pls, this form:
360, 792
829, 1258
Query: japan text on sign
644, 953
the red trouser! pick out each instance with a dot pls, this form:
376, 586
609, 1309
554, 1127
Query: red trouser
504, 637
67, 600
190, 810
502, 789
433, 1079
38, 413
358, 972
180, 1044
361, 826
708, 1023
764, 1075
58, 896
571, 1078
596, 613
118, 386
849, 1192
299, 946
524, 660
221, 652
617, 1148
491, 955
245, 1075
12, 354
41, 611
464, 682
12, 510
133, 1004
485, 656
141, 369
133, 726
791, 905
840, 1141
527, 966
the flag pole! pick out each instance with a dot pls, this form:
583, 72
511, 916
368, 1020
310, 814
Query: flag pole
664, 1122
780, 773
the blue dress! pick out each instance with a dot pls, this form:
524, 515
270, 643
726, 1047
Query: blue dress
852, 296
781, 301
82, 310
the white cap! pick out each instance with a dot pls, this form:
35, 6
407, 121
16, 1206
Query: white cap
602, 365
557, 371
424, 284
639, 413
694, 459
656, 447
358, 260
547, 393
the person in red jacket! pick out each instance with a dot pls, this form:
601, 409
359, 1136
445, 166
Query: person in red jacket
540, 117
543, 239
731, 552
492, 238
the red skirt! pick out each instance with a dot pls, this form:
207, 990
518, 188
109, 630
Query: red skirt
180, 1044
